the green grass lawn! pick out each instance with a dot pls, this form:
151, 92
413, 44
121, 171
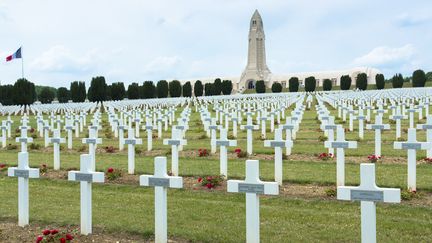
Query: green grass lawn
218, 216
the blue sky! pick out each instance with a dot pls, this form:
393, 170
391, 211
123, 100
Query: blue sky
135, 40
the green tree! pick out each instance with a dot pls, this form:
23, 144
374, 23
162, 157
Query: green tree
187, 89
6, 94
227, 87
380, 81
46, 96
397, 81
118, 91
162, 89
78, 91
293, 83
345, 82
209, 89
361, 81
63, 95
175, 88
149, 90
133, 91
98, 89
327, 84
260, 87
418, 78
310, 84
24, 92
198, 88
276, 88
217, 86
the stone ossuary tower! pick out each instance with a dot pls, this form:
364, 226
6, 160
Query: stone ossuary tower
256, 68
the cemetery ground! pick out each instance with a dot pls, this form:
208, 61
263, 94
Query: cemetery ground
305, 211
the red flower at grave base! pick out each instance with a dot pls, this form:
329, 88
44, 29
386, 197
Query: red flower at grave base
2, 165
199, 179
62, 240
39, 239
46, 232
209, 185
237, 150
110, 170
54, 231
209, 178
69, 237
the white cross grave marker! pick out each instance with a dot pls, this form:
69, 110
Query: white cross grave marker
92, 140
249, 139
175, 141
252, 186
340, 145
161, 181
278, 143
368, 194
412, 146
378, 126
86, 176
131, 141
223, 143
23, 172
56, 140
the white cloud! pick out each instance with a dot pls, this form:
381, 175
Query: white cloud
406, 20
61, 59
384, 56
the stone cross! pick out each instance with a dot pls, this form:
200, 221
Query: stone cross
121, 129
92, 140
9, 124
223, 143
69, 129
234, 120
77, 126
175, 141
249, 127
412, 146
360, 117
4, 133
24, 139
131, 141
289, 128
149, 128
378, 126
46, 129
23, 172
278, 143
398, 117
330, 127
411, 112
213, 128
56, 140
253, 187
428, 128
368, 194
86, 176
161, 181
351, 113
340, 145
263, 120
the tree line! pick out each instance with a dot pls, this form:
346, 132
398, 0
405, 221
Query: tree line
418, 79
24, 92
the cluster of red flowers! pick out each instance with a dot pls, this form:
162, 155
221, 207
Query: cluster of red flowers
31, 130
428, 160
3, 167
43, 168
325, 156
54, 236
373, 158
237, 151
240, 153
109, 149
203, 153
210, 181
113, 174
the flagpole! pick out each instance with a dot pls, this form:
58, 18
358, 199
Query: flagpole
22, 63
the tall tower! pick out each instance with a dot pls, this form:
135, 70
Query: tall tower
256, 68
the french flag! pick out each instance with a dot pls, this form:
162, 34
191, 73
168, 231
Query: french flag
16, 55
